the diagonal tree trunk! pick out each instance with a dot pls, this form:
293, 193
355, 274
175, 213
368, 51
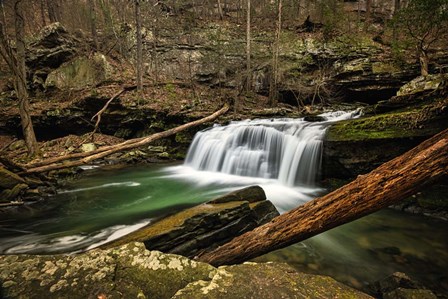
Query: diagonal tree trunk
388, 184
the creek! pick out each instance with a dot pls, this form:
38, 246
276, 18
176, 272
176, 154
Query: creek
282, 156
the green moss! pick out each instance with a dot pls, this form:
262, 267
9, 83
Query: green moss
391, 125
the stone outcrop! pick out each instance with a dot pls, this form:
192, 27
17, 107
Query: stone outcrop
52, 47
356, 146
205, 226
131, 271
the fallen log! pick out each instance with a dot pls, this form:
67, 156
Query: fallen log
388, 184
64, 161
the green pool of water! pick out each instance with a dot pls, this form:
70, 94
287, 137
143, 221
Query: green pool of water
105, 204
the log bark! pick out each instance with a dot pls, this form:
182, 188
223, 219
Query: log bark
64, 162
388, 184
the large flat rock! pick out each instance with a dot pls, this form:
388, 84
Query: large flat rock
131, 271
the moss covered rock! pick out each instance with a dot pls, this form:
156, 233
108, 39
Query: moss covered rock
131, 271
80, 72
357, 146
270, 280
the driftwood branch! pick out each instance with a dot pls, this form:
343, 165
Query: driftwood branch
388, 184
99, 113
84, 158
11, 204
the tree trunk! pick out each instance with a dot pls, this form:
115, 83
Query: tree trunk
221, 13
139, 66
248, 51
368, 14
52, 14
424, 60
63, 162
21, 89
42, 13
276, 49
92, 7
388, 184
397, 6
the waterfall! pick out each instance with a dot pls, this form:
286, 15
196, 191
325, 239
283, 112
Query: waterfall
288, 150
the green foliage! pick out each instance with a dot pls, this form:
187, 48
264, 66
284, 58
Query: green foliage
423, 22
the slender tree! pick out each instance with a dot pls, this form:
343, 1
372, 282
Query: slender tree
92, 9
368, 14
16, 62
276, 49
248, 50
139, 64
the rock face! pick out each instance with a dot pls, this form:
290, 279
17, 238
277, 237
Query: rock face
354, 147
131, 271
206, 226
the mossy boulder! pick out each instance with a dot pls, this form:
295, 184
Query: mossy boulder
423, 84
270, 280
79, 73
131, 271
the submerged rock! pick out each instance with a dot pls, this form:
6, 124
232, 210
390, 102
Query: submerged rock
207, 225
400, 286
131, 271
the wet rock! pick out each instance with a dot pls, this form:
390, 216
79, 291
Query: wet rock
409, 294
205, 226
250, 194
400, 286
271, 280
131, 271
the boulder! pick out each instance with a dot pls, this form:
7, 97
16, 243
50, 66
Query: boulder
207, 225
80, 72
423, 84
131, 271
400, 286
52, 47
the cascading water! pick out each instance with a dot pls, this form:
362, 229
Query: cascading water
287, 150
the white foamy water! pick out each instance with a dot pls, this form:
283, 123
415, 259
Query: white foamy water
281, 155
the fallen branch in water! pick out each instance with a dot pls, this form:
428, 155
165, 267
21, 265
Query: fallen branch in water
11, 204
388, 184
84, 158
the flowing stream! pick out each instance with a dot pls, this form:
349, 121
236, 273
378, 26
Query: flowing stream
281, 155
